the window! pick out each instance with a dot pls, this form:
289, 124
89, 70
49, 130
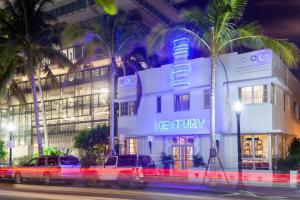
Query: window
273, 94
254, 94
95, 72
127, 108
206, 95
158, 104
41, 162
52, 161
69, 160
131, 146
127, 161
104, 71
32, 162
111, 161
182, 102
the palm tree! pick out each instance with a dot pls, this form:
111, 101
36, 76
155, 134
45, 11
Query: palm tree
219, 30
26, 28
110, 37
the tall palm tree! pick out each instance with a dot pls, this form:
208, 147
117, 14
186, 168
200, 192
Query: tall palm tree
27, 28
110, 37
218, 30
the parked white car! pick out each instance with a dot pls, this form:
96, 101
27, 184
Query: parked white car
132, 170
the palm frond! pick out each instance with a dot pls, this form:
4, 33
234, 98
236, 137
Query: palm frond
56, 56
197, 19
250, 35
17, 92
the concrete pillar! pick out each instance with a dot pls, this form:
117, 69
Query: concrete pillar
270, 151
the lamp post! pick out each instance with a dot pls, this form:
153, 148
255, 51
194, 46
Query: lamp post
10, 128
238, 107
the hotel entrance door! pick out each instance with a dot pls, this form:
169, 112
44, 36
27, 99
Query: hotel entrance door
182, 149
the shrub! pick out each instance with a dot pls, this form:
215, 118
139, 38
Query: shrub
50, 151
198, 161
292, 161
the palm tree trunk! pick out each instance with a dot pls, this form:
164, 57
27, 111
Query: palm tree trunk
213, 102
43, 109
112, 106
37, 117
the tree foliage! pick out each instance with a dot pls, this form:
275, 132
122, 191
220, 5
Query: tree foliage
93, 141
292, 161
50, 151
28, 33
109, 6
3, 153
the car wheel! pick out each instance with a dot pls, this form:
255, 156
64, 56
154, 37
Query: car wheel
124, 184
18, 178
142, 185
46, 179
91, 182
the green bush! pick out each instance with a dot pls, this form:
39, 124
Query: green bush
198, 161
50, 151
292, 161
2, 151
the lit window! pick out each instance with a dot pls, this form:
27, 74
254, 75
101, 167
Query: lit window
127, 108
255, 94
131, 146
158, 104
246, 95
182, 102
206, 99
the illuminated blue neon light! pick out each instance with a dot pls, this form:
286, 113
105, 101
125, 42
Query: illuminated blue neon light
181, 124
181, 67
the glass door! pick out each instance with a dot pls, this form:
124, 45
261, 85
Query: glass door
182, 150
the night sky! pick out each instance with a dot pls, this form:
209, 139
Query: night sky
279, 18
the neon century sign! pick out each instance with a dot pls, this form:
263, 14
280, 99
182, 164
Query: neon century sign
181, 124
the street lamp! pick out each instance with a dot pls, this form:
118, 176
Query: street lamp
238, 107
10, 128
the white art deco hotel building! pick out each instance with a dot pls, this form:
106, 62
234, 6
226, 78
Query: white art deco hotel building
173, 113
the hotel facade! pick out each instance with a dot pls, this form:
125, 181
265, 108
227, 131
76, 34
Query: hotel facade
167, 109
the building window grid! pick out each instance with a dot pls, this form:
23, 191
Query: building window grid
57, 106
181, 102
254, 94
127, 108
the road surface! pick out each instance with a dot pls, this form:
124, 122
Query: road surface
9, 191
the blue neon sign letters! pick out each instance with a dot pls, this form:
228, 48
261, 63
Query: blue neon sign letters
181, 124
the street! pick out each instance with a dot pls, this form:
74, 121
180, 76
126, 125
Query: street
155, 191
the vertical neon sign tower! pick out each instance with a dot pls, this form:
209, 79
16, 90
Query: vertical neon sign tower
181, 67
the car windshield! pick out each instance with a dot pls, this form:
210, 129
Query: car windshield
127, 161
69, 161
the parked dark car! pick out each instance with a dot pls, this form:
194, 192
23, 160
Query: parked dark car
49, 168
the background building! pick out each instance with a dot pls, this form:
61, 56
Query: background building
173, 115
77, 101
